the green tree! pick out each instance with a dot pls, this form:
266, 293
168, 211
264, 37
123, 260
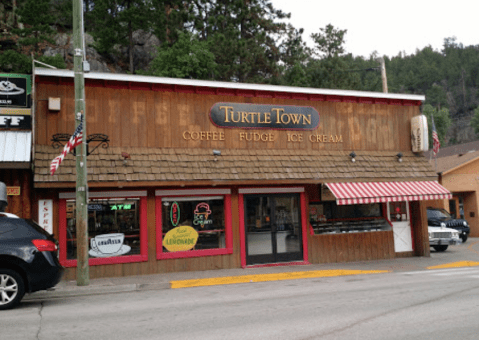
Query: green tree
294, 55
329, 41
333, 69
244, 38
187, 58
436, 96
114, 21
13, 61
28, 36
37, 20
475, 121
62, 11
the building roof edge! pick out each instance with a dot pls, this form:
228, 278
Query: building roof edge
230, 85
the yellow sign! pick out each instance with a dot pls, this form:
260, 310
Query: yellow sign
181, 238
13, 191
15, 111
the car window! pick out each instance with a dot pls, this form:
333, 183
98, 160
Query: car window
19, 227
439, 214
6, 225
35, 226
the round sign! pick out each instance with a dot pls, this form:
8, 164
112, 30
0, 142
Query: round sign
181, 238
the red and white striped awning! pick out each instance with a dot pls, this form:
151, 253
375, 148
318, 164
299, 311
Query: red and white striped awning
381, 192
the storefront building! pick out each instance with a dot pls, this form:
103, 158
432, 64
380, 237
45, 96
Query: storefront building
457, 167
199, 175
16, 142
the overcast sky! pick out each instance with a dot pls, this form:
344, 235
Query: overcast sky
385, 26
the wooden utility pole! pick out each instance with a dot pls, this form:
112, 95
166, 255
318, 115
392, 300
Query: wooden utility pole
83, 273
383, 75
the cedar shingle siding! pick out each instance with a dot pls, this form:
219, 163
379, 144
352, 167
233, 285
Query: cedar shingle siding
166, 164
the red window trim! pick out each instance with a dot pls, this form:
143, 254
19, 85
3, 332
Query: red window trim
142, 257
160, 255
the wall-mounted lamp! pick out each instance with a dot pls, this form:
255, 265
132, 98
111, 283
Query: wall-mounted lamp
125, 156
353, 156
216, 153
399, 156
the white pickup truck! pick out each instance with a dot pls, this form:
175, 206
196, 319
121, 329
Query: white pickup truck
441, 237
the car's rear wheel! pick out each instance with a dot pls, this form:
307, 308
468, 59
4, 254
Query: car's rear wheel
12, 288
440, 248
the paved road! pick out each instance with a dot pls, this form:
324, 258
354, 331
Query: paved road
436, 304
410, 299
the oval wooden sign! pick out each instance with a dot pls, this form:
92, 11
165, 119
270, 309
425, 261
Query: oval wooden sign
181, 238
271, 117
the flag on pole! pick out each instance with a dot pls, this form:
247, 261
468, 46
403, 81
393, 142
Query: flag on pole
74, 141
435, 139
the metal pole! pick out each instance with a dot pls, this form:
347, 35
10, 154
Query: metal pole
83, 274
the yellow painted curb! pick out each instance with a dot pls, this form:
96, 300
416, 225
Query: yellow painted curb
269, 277
455, 265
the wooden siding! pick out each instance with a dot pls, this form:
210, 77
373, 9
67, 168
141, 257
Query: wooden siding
419, 229
20, 205
148, 118
157, 116
348, 247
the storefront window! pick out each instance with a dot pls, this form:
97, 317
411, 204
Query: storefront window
116, 230
113, 228
398, 211
330, 218
193, 226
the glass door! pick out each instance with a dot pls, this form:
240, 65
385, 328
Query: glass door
273, 228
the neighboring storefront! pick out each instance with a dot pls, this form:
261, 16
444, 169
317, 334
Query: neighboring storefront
197, 175
16, 142
458, 166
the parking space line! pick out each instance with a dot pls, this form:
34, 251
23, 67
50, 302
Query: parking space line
455, 272
445, 270
469, 247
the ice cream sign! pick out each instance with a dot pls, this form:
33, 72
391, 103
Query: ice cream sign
201, 214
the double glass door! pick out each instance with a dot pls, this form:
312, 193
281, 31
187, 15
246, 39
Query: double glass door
273, 228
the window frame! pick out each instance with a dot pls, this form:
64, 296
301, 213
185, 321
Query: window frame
194, 193
383, 215
62, 239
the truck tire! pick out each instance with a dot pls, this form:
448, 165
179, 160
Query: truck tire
464, 238
440, 248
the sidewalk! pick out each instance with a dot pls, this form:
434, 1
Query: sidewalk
466, 254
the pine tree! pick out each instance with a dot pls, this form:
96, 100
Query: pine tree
37, 20
113, 24
244, 36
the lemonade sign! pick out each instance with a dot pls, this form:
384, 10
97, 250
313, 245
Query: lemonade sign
181, 238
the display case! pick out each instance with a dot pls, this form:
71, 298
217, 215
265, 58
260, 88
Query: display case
329, 218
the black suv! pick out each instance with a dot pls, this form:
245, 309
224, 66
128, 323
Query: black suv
28, 259
439, 217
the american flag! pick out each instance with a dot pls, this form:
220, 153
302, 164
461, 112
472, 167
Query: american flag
74, 141
435, 139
